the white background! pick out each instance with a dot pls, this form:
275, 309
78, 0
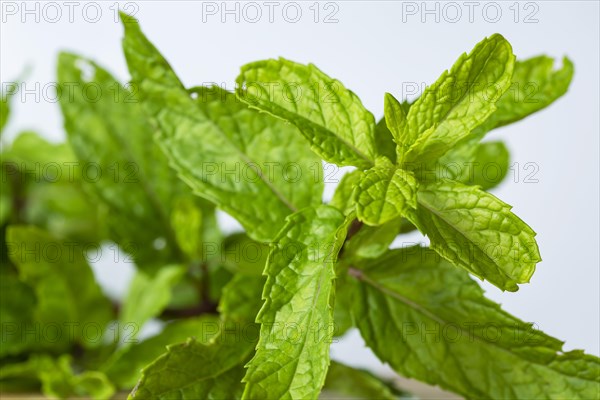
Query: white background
375, 47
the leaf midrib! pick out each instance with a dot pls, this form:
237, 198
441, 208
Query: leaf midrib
146, 187
308, 122
206, 377
460, 100
463, 234
181, 90
296, 358
361, 275
245, 158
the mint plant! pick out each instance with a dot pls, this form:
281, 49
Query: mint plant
252, 314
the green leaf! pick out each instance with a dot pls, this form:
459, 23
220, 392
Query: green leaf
461, 99
66, 291
64, 210
396, 120
345, 381
218, 277
122, 166
125, 366
188, 369
24, 371
242, 255
384, 193
241, 301
17, 306
282, 159
384, 142
194, 223
482, 164
343, 198
477, 231
193, 369
34, 155
331, 117
46, 189
292, 354
226, 385
384, 139
489, 166
535, 85
6, 201
93, 384
342, 316
406, 226
149, 295
27, 368
46, 186
58, 378
5, 105
4, 112
229, 154
431, 322
369, 241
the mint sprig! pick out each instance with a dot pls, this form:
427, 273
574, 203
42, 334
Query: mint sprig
257, 154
